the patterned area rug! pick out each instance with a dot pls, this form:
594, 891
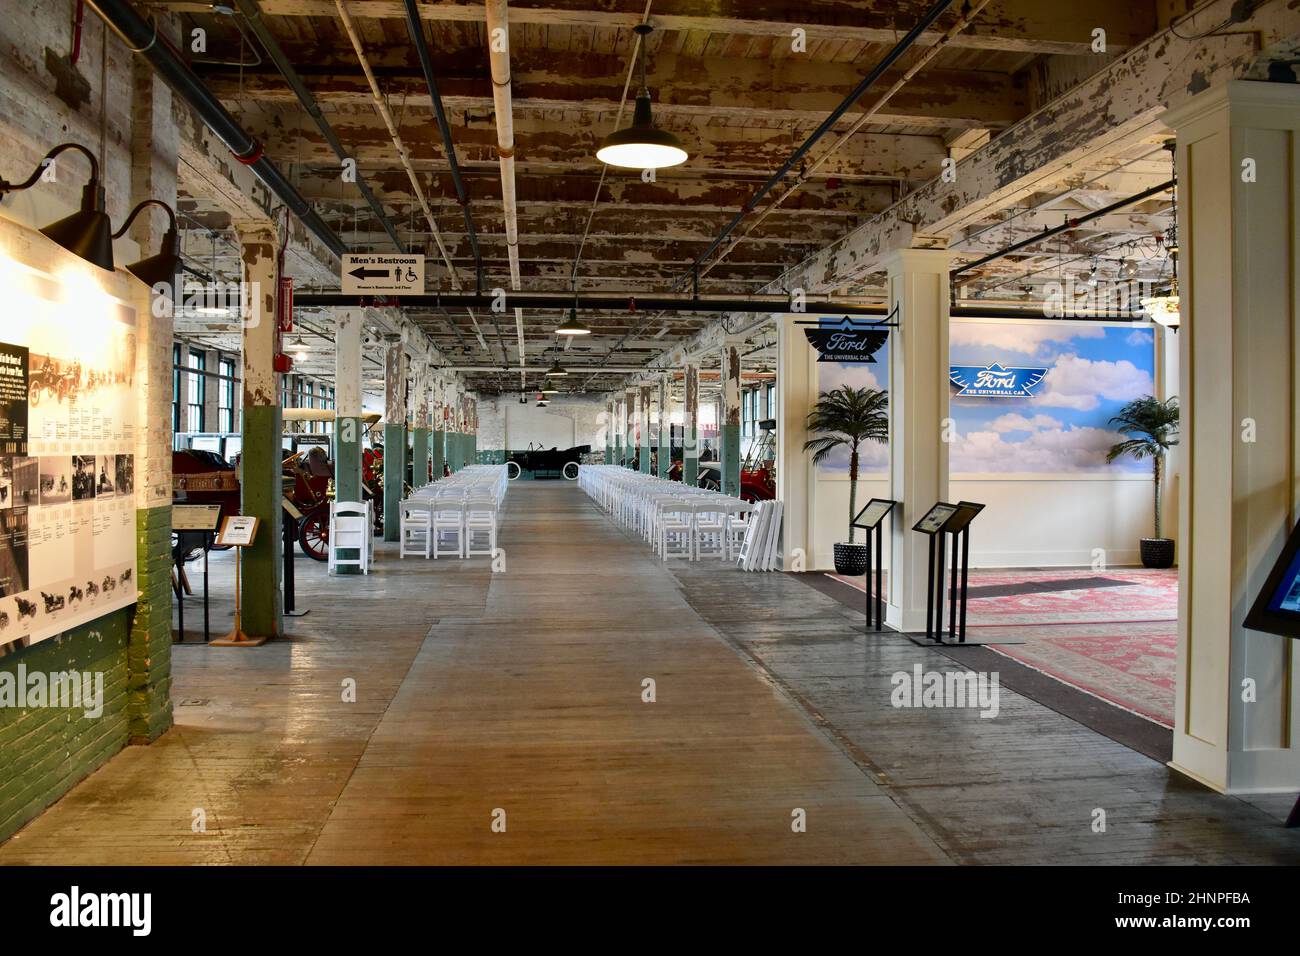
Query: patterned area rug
1113, 636
1132, 595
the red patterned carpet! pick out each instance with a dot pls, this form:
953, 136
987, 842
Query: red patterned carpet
1112, 636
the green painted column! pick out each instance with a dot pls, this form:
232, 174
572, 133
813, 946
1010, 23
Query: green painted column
643, 427
609, 432
419, 457
261, 567
665, 459
629, 425
394, 436
691, 427
616, 426
729, 420
348, 426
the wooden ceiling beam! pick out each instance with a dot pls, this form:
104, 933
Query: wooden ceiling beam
1016, 26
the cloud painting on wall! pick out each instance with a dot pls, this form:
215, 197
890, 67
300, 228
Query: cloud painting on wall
1061, 428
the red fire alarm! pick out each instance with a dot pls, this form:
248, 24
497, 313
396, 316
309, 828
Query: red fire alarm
281, 362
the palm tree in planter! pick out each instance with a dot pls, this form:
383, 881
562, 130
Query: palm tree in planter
844, 418
1152, 429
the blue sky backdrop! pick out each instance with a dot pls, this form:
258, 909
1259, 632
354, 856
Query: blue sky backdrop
1063, 428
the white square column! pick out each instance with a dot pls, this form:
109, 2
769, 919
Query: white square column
918, 421
1237, 706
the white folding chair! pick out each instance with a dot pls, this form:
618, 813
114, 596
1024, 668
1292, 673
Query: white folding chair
351, 529
480, 523
416, 528
448, 526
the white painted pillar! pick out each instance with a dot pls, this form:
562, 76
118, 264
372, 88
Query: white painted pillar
1240, 271
796, 484
918, 408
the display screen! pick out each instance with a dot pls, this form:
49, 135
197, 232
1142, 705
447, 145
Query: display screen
1277, 606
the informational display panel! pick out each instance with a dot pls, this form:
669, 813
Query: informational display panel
67, 440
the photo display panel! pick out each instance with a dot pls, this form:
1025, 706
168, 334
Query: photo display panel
67, 442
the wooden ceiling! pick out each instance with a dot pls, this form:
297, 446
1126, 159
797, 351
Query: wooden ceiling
726, 76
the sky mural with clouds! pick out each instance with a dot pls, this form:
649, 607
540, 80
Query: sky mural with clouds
1062, 427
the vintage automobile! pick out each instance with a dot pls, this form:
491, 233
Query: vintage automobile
201, 477
548, 462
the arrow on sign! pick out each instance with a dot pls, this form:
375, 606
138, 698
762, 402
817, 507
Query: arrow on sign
361, 272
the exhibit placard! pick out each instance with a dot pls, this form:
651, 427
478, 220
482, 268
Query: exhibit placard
873, 513
961, 518
932, 521
195, 517
237, 531
67, 440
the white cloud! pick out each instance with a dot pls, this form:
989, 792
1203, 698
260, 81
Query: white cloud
854, 374
1046, 451
1140, 337
1080, 383
1012, 422
1025, 338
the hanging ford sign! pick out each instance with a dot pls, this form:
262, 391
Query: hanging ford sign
995, 381
844, 340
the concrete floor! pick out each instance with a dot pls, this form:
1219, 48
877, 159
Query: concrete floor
476, 692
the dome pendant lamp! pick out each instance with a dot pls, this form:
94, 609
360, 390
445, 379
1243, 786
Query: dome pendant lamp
572, 325
642, 145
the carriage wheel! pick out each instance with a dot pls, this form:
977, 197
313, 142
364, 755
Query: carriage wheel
565, 470
518, 470
314, 534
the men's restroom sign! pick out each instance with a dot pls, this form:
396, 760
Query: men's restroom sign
382, 274
995, 381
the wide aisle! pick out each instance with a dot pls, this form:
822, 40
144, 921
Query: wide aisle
531, 713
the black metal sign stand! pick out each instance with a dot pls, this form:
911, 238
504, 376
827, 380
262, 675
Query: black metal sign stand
180, 592
870, 519
289, 524
947, 577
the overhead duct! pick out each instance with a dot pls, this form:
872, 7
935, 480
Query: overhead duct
252, 15
142, 37
602, 302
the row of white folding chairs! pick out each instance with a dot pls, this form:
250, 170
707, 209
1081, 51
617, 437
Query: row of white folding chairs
454, 517
675, 519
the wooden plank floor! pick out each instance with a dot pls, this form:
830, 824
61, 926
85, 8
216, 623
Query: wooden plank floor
1021, 788
477, 691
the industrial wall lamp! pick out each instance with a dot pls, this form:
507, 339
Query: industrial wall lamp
88, 233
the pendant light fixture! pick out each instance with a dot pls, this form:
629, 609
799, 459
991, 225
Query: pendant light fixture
299, 349
572, 326
87, 232
557, 370
642, 145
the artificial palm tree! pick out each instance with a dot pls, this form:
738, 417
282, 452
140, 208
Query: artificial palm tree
1152, 429
844, 418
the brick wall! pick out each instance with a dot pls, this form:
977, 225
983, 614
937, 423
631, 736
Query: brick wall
45, 100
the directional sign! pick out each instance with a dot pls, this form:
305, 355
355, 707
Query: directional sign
376, 274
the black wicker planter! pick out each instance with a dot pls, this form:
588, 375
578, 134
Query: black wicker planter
850, 559
1157, 552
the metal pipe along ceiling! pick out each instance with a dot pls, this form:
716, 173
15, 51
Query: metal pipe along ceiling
252, 15
498, 29
381, 106
142, 37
